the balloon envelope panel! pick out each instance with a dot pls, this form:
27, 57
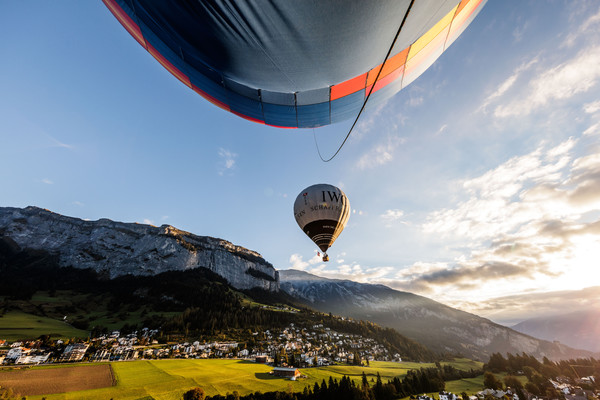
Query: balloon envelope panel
294, 63
322, 212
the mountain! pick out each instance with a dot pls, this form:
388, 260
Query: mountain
115, 248
439, 327
191, 304
579, 329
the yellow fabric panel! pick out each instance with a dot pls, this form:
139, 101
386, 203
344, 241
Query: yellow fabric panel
431, 34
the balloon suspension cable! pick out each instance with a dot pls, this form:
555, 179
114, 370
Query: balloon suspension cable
370, 90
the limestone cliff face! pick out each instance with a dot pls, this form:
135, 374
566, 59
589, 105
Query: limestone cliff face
117, 248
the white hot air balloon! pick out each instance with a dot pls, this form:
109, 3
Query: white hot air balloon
322, 212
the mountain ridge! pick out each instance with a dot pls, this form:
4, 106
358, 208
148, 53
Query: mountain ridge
118, 248
582, 327
440, 327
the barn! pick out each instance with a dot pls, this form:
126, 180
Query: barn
284, 372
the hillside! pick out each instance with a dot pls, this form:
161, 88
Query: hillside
441, 328
190, 304
578, 329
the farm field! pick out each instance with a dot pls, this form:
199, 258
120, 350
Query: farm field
17, 325
56, 380
169, 379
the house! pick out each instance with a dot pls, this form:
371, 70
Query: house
73, 352
285, 372
261, 359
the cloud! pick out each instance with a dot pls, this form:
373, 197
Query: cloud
354, 271
380, 154
148, 221
527, 222
561, 82
515, 308
592, 107
391, 216
508, 83
592, 130
442, 129
297, 262
583, 29
47, 181
227, 162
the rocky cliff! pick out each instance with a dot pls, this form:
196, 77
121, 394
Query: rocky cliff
116, 248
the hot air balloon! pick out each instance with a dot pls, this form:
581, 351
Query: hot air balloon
322, 212
295, 64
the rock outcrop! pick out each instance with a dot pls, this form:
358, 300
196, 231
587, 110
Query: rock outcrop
115, 248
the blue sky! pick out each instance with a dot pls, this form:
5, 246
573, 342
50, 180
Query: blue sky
478, 185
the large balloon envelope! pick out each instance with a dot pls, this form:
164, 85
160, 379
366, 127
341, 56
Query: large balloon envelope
322, 212
294, 63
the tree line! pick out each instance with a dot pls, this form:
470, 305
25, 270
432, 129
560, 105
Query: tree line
424, 380
538, 373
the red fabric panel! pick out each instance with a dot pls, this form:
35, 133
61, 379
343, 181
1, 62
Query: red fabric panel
132, 27
348, 87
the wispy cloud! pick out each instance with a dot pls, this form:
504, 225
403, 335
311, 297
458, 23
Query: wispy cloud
380, 154
560, 82
354, 271
391, 216
592, 108
530, 220
47, 181
227, 163
508, 83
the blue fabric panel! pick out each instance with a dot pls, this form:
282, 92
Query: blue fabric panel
286, 99
276, 114
313, 115
347, 107
174, 56
312, 96
204, 83
244, 105
384, 94
242, 89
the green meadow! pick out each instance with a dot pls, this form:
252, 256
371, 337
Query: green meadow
169, 379
16, 325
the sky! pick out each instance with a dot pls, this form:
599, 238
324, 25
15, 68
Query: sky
477, 186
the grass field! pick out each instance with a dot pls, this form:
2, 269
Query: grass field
17, 325
169, 379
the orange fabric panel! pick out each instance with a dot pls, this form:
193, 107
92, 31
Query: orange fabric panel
132, 27
386, 80
461, 5
170, 67
391, 65
434, 47
431, 34
464, 14
348, 87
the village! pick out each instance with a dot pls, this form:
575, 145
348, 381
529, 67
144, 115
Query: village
291, 346
287, 350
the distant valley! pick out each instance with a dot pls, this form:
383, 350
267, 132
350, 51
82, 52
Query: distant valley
577, 329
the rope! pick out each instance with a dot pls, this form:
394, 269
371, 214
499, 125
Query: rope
370, 91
